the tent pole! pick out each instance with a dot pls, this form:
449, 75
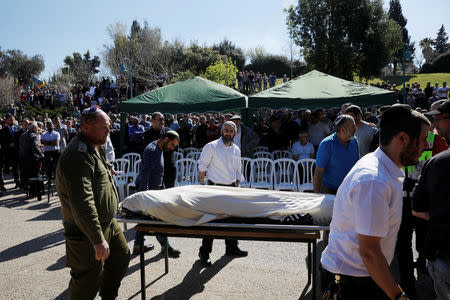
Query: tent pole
123, 124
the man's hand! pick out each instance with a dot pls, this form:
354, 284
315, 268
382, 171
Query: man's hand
376, 265
101, 251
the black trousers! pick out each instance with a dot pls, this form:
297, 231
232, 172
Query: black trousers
404, 252
355, 288
50, 162
207, 243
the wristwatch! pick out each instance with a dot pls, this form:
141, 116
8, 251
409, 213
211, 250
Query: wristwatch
401, 296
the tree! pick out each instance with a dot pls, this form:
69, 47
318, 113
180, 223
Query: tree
9, 92
256, 54
396, 14
82, 68
441, 41
222, 71
14, 63
147, 56
199, 58
229, 49
427, 49
343, 37
270, 64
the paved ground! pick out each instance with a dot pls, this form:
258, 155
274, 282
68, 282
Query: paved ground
32, 262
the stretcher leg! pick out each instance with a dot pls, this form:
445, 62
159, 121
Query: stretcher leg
142, 267
166, 254
314, 269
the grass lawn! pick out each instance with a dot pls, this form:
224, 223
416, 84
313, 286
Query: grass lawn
422, 79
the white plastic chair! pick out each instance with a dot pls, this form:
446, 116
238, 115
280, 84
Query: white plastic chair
285, 174
121, 166
177, 155
137, 168
185, 151
186, 172
260, 148
262, 173
246, 165
132, 157
305, 174
195, 155
277, 154
262, 154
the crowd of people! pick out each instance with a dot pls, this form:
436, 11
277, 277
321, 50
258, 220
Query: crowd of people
248, 82
383, 144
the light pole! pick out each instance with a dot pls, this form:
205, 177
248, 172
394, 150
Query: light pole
406, 55
123, 68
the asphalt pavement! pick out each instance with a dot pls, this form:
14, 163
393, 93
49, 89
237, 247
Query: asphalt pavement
32, 262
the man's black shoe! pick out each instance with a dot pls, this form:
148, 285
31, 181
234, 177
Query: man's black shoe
204, 260
171, 252
136, 249
236, 252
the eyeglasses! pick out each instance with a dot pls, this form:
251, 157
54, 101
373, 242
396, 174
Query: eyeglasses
91, 110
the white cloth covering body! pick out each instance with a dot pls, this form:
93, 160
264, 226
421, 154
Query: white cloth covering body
196, 204
221, 163
368, 202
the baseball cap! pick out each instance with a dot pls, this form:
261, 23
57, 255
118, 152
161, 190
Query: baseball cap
235, 117
442, 109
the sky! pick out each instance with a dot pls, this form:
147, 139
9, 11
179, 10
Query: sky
57, 28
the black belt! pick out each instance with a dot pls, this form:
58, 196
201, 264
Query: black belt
219, 184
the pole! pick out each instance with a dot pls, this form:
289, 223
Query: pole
404, 70
291, 59
131, 79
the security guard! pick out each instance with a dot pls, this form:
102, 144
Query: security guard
96, 249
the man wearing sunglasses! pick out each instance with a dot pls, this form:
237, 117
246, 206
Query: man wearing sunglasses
96, 249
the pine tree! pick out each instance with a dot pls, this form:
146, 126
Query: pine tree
441, 41
396, 14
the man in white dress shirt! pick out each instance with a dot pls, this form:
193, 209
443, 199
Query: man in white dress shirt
51, 141
220, 161
368, 209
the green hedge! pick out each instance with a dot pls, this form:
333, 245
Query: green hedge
33, 111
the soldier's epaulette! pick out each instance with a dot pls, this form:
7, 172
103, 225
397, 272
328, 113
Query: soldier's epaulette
82, 147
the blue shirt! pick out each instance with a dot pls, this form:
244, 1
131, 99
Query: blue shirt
136, 134
152, 169
336, 159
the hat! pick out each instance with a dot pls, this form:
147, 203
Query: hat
442, 109
235, 117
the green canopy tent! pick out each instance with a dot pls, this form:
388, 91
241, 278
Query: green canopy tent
192, 95
316, 89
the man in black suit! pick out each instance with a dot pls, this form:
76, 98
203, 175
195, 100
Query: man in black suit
30, 156
8, 149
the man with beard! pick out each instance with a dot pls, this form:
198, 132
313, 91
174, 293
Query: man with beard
151, 178
221, 162
431, 203
156, 132
96, 249
368, 209
336, 155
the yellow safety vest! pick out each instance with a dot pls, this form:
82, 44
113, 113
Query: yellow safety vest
413, 172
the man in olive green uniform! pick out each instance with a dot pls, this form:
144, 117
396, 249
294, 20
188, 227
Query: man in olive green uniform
96, 249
